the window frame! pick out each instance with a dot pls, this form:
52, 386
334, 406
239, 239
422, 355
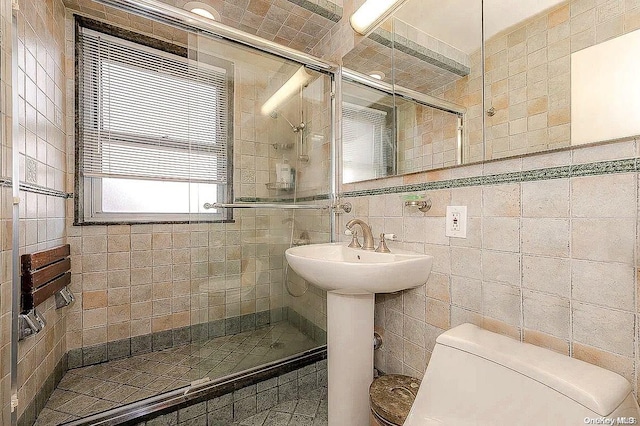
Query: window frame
88, 189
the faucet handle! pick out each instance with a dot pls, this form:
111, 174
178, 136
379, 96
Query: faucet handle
382, 247
354, 240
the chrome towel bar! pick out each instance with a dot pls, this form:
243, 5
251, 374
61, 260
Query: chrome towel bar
346, 207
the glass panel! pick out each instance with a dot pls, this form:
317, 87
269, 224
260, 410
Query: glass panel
181, 296
255, 308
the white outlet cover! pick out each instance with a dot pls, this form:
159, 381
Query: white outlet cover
451, 230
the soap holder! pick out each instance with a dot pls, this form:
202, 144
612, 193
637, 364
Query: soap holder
422, 205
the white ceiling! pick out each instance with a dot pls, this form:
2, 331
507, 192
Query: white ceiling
457, 22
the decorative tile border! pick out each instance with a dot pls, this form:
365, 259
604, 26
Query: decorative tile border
419, 51
324, 8
590, 169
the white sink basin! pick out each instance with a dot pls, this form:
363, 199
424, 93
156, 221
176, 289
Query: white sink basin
338, 268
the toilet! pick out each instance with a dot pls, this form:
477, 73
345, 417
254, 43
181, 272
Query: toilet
476, 377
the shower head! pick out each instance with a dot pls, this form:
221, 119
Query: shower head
273, 114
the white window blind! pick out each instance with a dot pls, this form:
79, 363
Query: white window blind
148, 114
367, 149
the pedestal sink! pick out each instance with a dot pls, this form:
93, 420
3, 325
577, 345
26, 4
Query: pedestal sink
351, 278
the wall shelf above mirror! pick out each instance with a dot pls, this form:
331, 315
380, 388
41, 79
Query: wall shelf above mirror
515, 67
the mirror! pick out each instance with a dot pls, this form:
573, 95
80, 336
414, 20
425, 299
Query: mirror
427, 59
555, 73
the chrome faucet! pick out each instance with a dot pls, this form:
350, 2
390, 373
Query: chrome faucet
367, 244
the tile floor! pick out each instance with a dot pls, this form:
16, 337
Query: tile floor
92, 389
298, 412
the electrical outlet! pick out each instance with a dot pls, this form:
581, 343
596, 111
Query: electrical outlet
456, 222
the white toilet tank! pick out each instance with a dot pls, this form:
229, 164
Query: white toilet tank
476, 377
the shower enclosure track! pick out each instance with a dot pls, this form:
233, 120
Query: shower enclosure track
266, 206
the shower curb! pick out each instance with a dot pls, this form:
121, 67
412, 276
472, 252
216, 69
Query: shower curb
228, 399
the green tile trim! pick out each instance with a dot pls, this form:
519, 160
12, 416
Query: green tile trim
418, 51
590, 169
324, 8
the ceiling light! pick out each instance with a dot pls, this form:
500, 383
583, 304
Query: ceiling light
378, 75
292, 86
371, 13
203, 10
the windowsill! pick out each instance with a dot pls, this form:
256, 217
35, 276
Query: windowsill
153, 222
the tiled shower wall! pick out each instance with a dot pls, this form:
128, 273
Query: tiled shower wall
550, 256
136, 280
42, 163
6, 167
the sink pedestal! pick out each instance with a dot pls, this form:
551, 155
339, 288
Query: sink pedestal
350, 357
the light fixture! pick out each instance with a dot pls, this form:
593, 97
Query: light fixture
371, 13
289, 88
203, 10
378, 75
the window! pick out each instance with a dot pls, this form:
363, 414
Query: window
368, 151
153, 132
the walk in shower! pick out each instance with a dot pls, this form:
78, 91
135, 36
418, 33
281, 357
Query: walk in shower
193, 163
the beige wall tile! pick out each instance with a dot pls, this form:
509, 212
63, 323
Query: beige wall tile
608, 240
466, 262
547, 274
546, 341
501, 267
546, 198
501, 233
501, 302
548, 237
466, 293
616, 196
616, 363
546, 313
437, 287
501, 200
604, 328
438, 313
609, 284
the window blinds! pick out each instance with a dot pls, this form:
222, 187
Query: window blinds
148, 114
367, 149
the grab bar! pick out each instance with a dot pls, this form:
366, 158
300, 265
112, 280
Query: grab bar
345, 207
265, 206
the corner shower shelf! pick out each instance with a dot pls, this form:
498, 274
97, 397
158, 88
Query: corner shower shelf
280, 186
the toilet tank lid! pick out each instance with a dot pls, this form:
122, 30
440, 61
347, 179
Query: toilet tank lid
599, 390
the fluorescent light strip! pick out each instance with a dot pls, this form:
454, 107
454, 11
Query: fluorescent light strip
288, 89
371, 13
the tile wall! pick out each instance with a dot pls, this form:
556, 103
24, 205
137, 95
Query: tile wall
528, 72
550, 256
6, 199
42, 163
137, 280
427, 138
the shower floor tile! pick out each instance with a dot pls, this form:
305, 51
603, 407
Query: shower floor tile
310, 411
95, 388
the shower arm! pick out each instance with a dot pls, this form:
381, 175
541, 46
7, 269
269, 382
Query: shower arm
296, 129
